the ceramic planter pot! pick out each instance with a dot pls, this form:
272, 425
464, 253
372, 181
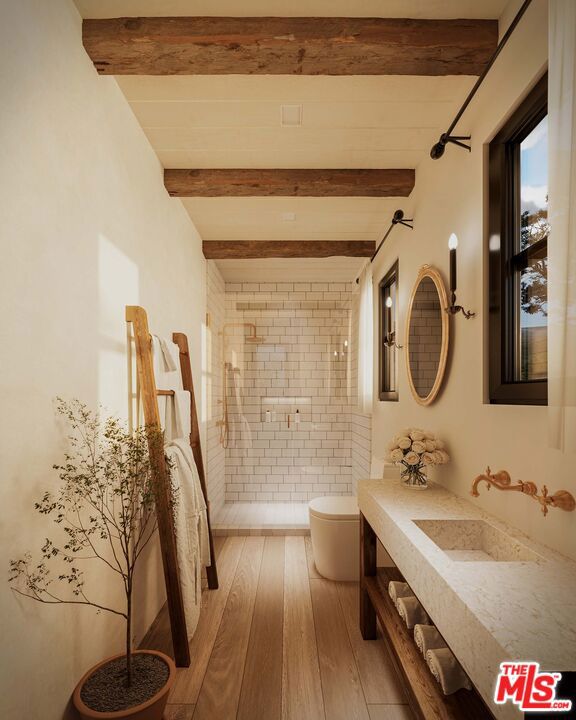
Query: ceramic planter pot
152, 709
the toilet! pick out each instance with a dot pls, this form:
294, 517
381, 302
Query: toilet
334, 530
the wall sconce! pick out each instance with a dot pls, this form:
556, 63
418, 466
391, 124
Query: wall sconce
390, 337
454, 309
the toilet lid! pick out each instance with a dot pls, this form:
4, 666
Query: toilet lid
338, 507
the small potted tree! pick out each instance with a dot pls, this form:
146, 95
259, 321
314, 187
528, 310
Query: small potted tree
105, 510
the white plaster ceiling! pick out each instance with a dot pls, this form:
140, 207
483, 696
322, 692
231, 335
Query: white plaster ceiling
335, 269
347, 122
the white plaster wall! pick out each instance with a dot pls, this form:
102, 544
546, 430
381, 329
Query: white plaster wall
451, 196
85, 228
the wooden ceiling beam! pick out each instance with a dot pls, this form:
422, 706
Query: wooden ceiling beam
250, 249
289, 183
289, 46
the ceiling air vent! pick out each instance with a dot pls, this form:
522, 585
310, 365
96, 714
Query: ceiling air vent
290, 115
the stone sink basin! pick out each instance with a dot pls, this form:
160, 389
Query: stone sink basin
475, 541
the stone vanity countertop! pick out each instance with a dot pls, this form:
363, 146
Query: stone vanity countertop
488, 611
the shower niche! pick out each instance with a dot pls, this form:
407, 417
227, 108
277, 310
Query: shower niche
289, 411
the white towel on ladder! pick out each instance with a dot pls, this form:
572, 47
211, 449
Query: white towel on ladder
191, 526
182, 414
190, 519
178, 421
171, 354
167, 376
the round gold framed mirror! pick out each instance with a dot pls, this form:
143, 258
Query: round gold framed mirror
427, 335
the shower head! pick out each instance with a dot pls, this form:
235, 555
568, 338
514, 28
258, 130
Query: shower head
251, 338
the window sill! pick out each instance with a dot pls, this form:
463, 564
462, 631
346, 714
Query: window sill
531, 393
389, 396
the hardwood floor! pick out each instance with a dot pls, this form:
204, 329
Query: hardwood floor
262, 519
260, 698
278, 642
301, 685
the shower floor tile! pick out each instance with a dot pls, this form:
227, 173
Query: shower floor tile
262, 519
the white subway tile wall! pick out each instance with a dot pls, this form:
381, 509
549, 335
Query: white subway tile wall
303, 362
212, 387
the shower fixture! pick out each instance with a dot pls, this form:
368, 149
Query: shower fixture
251, 338
254, 339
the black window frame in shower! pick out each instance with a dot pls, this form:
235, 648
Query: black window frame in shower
391, 278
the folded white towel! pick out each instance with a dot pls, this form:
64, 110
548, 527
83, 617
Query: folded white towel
427, 638
411, 611
397, 589
447, 670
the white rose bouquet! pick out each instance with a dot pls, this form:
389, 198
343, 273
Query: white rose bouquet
416, 449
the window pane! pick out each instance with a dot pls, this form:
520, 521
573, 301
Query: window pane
533, 278
389, 357
534, 186
533, 321
389, 369
390, 352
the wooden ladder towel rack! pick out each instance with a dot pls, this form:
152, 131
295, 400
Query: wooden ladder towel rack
148, 393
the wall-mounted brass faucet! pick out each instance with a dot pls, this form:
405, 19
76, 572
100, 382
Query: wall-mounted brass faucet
502, 480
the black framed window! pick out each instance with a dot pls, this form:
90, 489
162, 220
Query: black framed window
387, 342
518, 255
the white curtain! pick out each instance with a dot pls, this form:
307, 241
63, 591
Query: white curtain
366, 341
562, 212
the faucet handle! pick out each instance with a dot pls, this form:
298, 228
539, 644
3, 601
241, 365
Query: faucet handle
502, 478
544, 500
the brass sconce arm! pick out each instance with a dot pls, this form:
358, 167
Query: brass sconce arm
502, 480
454, 309
390, 340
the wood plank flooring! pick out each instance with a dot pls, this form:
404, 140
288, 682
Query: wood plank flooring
278, 642
261, 694
262, 519
301, 685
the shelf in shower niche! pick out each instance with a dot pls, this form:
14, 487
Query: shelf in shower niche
280, 407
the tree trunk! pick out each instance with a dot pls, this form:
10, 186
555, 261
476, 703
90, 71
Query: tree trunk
128, 636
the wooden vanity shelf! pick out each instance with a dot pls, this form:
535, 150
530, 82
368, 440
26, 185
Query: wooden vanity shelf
425, 695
